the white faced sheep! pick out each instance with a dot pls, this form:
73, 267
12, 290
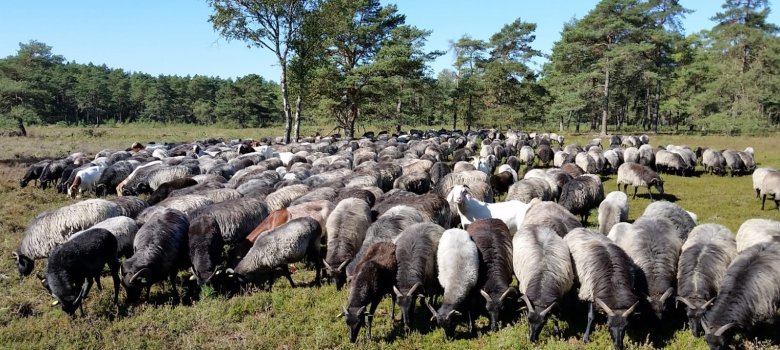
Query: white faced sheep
415, 251
638, 175
457, 258
682, 220
755, 231
748, 294
612, 210
470, 209
52, 228
494, 243
771, 186
582, 194
346, 227
706, 254
544, 273
606, 278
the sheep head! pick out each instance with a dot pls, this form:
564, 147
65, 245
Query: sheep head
695, 313
658, 184
714, 337
355, 317
617, 322
536, 318
406, 302
494, 306
24, 264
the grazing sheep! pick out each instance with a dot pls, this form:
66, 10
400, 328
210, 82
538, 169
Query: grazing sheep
612, 210
527, 155
586, 163
713, 162
433, 207
282, 197
160, 248
52, 228
33, 173
758, 178
606, 278
544, 273
614, 159
346, 227
631, 155
682, 220
771, 186
494, 243
469, 178
470, 209
205, 248
316, 195
457, 258
187, 204
669, 162
122, 227
529, 188
130, 206
113, 176
638, 175
582, 194
158, 176
733, 162
706, 254
748, 294
415, 182
654, 246
501, 182
52, 172
85, 180
647, 156
572, 169
545, 155
748, 161
73, 266
551, 215
438, 171
756, 231
135, 177
236, 218
163, 191
415, 251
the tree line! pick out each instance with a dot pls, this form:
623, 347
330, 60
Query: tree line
625, 65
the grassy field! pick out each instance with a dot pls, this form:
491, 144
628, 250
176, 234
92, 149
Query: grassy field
304, 317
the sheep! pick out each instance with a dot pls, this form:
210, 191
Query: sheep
669, 162
236, 218
415, 251
714, 162
445, 185
163, 191
586, 163
733, 162
113, 176
771, 186
527, 155
551, 215
433, 207
85, 181
205, 249
747, 161
706, 254
346, 226
758, 178
470, 209
631, 155
315, 195
416, 182
572, 169
682, 220
605, 274
494, 243
582, 194
219, 195
140, 171
646, 155
748, 294
542, 264
529, 188
374, 278
501, 182
755, 231
160, 248
63, 184
73, 265
654, 246
612, 210
33, 173
187, 204
457, 259
545, 155
52, 172
614, 158
292, 242
638, 175
130, 206
438, 171
282, 197
52, 228
122, 227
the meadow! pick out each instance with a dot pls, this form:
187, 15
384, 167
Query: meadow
305, 317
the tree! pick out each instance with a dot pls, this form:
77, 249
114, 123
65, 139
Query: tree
270, 24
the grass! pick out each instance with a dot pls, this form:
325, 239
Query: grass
304, 317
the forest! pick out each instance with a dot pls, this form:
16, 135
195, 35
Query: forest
626, 65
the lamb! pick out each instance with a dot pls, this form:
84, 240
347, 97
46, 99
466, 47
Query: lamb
544, 273
612, 210
85, 181
529, 188
748, 294
682, 220
605, 273
638, 175
346, 227
706, 254
494, 243
160, 248
551, 215
654, 246
756, 231
470, 209
457, 259
771, 186
582, 194
205, 249
52, 228
415, 251
286, 244
163, 191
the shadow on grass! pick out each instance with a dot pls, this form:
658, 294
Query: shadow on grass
657, 197
21, 160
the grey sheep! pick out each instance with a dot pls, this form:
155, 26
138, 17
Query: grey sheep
130, 206
205, 250
682, 220
668, 162
544, 273
705, 255
756, 231
586, 163
415, 251
771, 186
494, 242
431, 206
157, 177
612, 210
582, 194
638, 175
416, 182
438, 171
713, 162
646, 155
631, 155
236, 218
346, 227
529, 188
52, 228
733, 162
551, 215
186, 204
758, 178
317, 194
282, 197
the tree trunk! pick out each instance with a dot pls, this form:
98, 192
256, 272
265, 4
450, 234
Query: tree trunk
298, 102
455, 118
20, 125
605, 107
398, 111
469, 113
349, 131
285, 102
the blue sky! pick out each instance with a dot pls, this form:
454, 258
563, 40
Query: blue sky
175, 37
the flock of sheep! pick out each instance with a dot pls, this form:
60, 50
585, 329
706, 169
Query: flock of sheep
383, 217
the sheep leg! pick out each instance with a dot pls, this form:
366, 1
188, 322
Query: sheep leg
650, 192
115, 277
763, 200
173, 286
97, 282
556, 329
287, 274
392, 308
635, 189
589, 326
472, 326
370, 318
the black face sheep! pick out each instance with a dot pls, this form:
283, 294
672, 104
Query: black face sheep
160, 251
52, 228
113, 176
544, 273
638, 175
53, 172
582, 194
494, 243
75, 264
748, 295
706, 254
346, 227
755, 231
682, 220
123, 228
374, 278
457, 258
205, 249
612, 210
416, 255
274, 250
654, 246
551, 215
62, 185
771, 186
605, 272
165, 189
33, 173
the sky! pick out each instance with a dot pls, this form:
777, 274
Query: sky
174, 37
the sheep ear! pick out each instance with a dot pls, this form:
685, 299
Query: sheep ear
606, 308
724, 328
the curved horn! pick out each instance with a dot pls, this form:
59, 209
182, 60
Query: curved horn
724, 328
548, 309
81, 294
528, 303
506, 293
706, 327
132, 279
433, 311
666, 294
343, 265
361, 310
630, 310
343, 313
327, 266
707, 304
605, 307
413, 289
485, 295
397, 292
686, 302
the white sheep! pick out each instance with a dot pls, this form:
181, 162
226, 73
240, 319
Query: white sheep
755, 231
85, 180
470, 209
612, 210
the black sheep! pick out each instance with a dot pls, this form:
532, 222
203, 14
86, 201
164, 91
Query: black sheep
206, 249
33, 173
494, 242
53, 172
165, 189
